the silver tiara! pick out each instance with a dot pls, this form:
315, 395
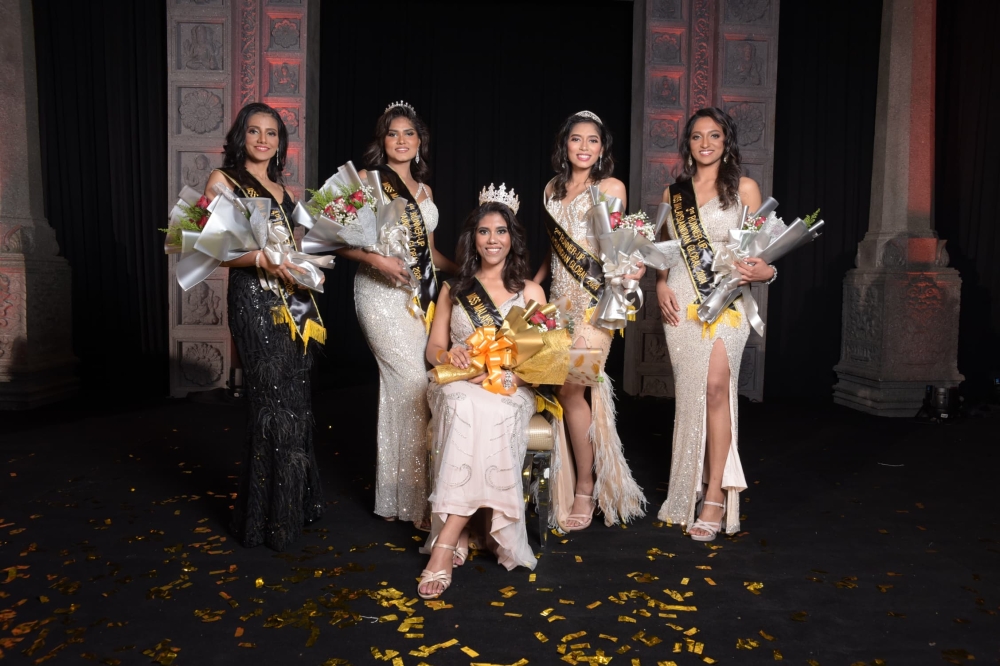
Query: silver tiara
399, 103
589, 114
500, 195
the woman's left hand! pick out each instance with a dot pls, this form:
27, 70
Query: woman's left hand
638, 274
754, 269
478, 379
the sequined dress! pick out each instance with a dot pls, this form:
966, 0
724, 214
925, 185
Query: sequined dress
689, 355
618, 495
397, 339
279, 486
478, 446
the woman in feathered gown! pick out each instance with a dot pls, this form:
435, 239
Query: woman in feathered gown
479, 437
601, 478
705, 464
279, 486
396, 327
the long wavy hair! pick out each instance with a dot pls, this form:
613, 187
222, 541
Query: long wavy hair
374, 155
727, 184
516, 266
235, 148
601, 169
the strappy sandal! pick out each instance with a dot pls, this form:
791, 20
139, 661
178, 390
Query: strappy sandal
712, 528
461, 552
584, 519
443, 577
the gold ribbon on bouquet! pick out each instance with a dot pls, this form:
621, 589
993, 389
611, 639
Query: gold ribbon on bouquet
534, 356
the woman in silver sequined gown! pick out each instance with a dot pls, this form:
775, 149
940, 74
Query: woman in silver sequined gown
396, 337
479, 437
706, 360
582, 158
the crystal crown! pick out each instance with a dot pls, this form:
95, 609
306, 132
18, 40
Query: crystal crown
500, 195
400, 103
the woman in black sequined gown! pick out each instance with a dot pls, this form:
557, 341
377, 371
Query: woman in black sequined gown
279, 487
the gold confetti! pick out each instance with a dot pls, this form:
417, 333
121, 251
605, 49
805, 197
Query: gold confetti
766, 635
704, 567
246, 645
512, 614
746, 644
709, 581
884, 588
894, 614
754, 587
541, 637
567, 602
812, 662
593, 605
685, 581
547, 612
613, 639
259, 583
239, 632
578, 558
778, 656
626, 618
496, 603
531, 577
553, 618
572, 637
691, 632
800, 616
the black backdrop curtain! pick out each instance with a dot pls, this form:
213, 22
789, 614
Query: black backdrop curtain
824, 138
968, 175
493, 94
103, 124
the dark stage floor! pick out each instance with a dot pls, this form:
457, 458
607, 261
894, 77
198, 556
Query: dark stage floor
867, 541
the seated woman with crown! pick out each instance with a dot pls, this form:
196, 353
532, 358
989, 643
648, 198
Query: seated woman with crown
479, 437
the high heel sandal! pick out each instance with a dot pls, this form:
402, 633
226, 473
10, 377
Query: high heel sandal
461, 552
712, 528
427, 576
583, 518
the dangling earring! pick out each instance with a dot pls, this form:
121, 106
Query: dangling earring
417, 158
564, 165
690, 161
599, 158
725, 159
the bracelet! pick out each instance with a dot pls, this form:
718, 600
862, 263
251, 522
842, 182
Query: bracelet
256, 261
437, 357
508, 379
773, 277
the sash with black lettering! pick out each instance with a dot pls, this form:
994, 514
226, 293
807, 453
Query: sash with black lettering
420, 248
581, 264
298, 301
479, 307
696, 248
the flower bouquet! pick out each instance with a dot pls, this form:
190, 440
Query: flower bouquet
206, 234
348, 212
531, 343
763, 235
624, 241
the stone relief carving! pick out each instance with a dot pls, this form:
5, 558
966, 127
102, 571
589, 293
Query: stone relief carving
284, 79
248, 51
666, 48
744, 66
746, 11
290, 116
285, 33
666, 90
924, 299
196, 167
863, 338
655, 386
749, 122
892, 256
291, 170
201, 110
666, 9
201, 3
657, 177
284, 2
201, 363
201, 306
10, 298
202, 49
654, 348
700, 59
663, 133
11, 240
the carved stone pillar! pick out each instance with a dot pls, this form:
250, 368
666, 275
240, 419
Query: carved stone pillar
36, 358
901, 303
689, 54
221, 56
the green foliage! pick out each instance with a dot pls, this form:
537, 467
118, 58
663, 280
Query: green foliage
811, 219
320, 199
174, 231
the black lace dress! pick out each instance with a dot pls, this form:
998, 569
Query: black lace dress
279, 487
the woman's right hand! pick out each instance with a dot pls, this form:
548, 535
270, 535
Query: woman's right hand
667, 300
459, 357
391, 267
282, 272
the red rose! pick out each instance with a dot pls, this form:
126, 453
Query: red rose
339, 200
349, 209
358, 196
538, 318
550, 324
203, 202
638, 223
616, 219
328, 211
202, 221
